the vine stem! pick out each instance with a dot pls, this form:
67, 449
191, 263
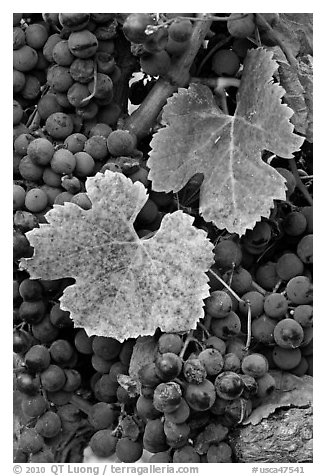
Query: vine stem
259, 288
86, 100
143, 118
81, 404
299, 182
189, 338
248, 326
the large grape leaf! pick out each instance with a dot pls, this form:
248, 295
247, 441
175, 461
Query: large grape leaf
296, 32
298, 83
125, 286
238, 187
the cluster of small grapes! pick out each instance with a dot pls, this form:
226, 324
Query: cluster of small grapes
58, 362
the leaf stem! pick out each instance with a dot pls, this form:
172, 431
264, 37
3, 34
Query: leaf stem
248, 326
299, 182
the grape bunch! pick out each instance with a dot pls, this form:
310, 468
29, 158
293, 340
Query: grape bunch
72, 86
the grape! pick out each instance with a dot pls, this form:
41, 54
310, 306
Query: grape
167, 397
21, 246
30, 290
71, 184
63, 162
104, 88
61, 53
59, 125
17, 112
45, 331
265, 385
116, 369
102, 416
36, 35
81, 199
276, 305
51, 193
200, 397
250, 386
148, 213
186, 454
262, 329
19, 38
34, 406
303, 315
218, 304
176, 434
101, 365
299, 290
240, 27
18, 81
288, 266
236, 346
37, 358
30, 441
288, 333
216, 343
154, 439
194, 371
103, 444
176, 48
240, 280
286, 359
106, 347
170, 343
301, 369
29, 171
212, 360
256, 301
156, 64
225, 62
82, 44
148, 376
180, 30
28, 384
100, 130
24, 59
145, 408
308, 213
227, 254
180, 415
295, 224
307, 336
256, 240
22, 142
126, 351
128, 451
231, 363
75, 142
59, 79
228, 385
168, 366
61, 351
135, 25
50, 178
77, 93
48, 425
255, 365
121, 142
305, 249
22, 341
290, 180
227, 327
60, 318
36, 200
96, 147
53, 378
32, 312
160, 457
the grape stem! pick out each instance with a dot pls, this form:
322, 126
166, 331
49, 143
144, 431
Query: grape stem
186, 343
298, 181
248, 326
226, 286
86, 100
81, 404
142, 119
258, 288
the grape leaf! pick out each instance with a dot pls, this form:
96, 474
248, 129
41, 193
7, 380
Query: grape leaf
298, 84
296, 31
144, 352
290, 391
125, 286
238, 187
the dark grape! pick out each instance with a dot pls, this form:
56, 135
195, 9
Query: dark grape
180, 415
226, 327
262, 329
218, 305
128, 451
148, 376
194, 371
256, 300
32, 312
61, 351
231, 363
286, 359
34, 406
200, 397
295, 223
48, 425
83, 342
73, 380
154, 439
103, 444
221, 453
30, 441
37, 358
167, 397
265, 385
228, 385
276, 305
106, 347
288, 333
299, 290
28, 384
227, 254
212, 360
170, 343
168, 366
288, 266
30, 290
176, 434
161, 457
53, 378
239, 279
255, 365
102, 416
303, 314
